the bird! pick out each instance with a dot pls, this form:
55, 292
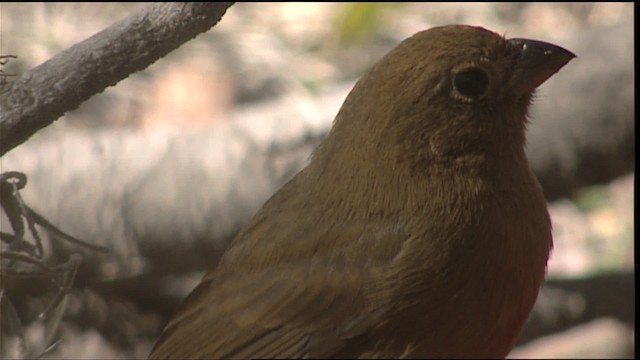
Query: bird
417, 229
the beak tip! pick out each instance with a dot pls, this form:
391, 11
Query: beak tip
536, 61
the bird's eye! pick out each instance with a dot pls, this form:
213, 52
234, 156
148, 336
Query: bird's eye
471, 82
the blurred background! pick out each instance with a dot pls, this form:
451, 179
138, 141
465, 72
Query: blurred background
110, 171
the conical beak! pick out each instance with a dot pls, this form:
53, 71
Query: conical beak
535, 62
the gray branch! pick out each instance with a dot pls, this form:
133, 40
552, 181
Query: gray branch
40, 96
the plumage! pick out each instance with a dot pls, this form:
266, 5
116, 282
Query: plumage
416, 230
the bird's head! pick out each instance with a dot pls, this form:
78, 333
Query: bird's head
450, 96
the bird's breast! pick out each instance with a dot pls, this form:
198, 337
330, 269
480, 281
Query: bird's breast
467, 280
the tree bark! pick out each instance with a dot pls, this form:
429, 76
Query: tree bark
40, 96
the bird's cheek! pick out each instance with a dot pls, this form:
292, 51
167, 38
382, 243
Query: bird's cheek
450, 145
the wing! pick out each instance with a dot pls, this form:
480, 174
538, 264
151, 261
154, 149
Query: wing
301, 293
287, 311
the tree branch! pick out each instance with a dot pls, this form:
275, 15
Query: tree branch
43, 94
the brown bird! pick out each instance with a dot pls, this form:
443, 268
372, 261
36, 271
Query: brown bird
417, 229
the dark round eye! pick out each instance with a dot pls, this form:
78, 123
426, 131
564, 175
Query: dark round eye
471, 82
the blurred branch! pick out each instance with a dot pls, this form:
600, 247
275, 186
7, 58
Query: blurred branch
38, 97
566, 303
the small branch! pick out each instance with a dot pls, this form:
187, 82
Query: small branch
38, 97
21, 259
